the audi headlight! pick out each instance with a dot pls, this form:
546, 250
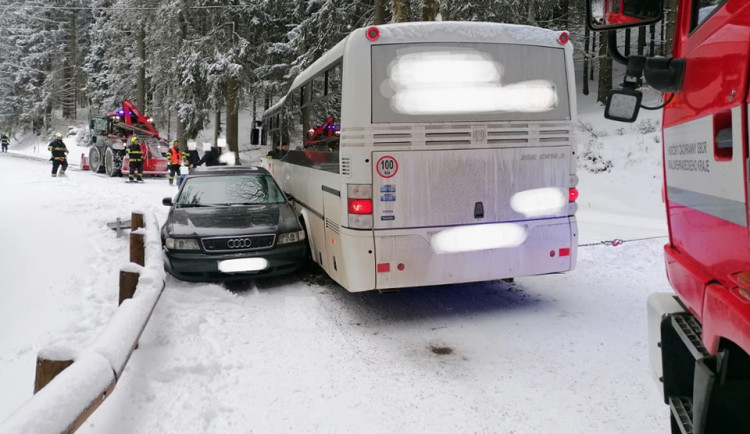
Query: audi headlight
291, 237
182, 244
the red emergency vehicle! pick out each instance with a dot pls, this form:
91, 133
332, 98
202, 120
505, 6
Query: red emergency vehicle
110, 135
624, 11
700, 337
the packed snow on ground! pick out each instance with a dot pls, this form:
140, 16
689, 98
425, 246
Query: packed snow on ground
563, 353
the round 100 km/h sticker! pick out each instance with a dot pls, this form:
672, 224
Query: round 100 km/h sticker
387, 166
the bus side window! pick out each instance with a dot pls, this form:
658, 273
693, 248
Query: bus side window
723, 135
312, 116
318, 87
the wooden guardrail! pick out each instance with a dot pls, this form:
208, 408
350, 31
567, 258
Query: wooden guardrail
66, 391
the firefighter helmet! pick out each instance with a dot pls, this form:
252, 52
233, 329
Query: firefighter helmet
58, 135
134, 139
175, 142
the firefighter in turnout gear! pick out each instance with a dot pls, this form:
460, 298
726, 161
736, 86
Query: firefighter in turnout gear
59, 155
135, 155
5, 141
174, 159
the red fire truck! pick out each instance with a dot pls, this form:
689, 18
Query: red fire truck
110, 135
700, 337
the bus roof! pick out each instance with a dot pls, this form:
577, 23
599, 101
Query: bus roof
434, 31
276, 107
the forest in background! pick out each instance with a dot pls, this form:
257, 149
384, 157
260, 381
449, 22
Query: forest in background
198, 60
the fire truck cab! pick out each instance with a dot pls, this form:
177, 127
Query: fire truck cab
700, 337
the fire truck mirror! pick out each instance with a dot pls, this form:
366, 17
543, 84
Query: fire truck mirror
618, 14
623, 105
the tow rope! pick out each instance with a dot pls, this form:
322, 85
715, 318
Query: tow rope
617, 241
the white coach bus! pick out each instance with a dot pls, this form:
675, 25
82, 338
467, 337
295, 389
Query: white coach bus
432, 153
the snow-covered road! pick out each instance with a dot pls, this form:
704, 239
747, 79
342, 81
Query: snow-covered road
558, 353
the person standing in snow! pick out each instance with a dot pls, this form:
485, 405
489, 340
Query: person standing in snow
211, 158
135, 156
190, 157
5, 141
59, 155
174, 158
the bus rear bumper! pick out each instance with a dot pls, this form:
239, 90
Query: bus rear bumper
419, 258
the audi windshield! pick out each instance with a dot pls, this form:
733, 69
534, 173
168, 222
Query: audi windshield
208, 191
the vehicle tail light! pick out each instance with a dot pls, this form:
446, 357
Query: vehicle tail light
359, 206
564, 38
572, 195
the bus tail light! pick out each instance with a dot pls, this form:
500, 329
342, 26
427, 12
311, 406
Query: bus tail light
385, 267
359, 206
572, 205
564, 38
572, 195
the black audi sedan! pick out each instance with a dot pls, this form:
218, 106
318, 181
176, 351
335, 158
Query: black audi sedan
229, 223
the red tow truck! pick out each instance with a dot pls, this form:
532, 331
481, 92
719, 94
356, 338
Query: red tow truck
700, 336
110, 135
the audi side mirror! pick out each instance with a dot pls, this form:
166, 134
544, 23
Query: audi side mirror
623, 105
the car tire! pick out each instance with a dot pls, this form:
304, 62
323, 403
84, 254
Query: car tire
96, 160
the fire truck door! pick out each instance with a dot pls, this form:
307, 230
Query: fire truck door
705, 144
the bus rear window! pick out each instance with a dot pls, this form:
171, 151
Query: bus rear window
468, 82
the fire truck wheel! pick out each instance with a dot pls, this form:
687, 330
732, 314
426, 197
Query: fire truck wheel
111, 163
95, 160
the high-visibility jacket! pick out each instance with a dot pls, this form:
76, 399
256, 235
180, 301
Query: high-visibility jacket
135, 152
58, 149
174, 155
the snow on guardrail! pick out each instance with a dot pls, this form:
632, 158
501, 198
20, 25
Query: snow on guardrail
65, 403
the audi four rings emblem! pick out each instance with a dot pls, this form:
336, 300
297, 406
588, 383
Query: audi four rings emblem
239, 243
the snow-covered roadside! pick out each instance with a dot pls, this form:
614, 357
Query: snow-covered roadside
559, 353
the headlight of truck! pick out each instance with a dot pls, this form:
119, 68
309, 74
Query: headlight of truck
291, 237
182, 244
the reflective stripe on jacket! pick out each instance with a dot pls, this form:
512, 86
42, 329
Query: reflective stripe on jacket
134, 152
58, 149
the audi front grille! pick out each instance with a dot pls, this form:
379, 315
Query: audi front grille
238, 243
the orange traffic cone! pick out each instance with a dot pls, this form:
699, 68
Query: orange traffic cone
84, 162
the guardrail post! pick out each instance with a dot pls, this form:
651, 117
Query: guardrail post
47, 370
137, 249
137, 253
136, 221
128, 282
